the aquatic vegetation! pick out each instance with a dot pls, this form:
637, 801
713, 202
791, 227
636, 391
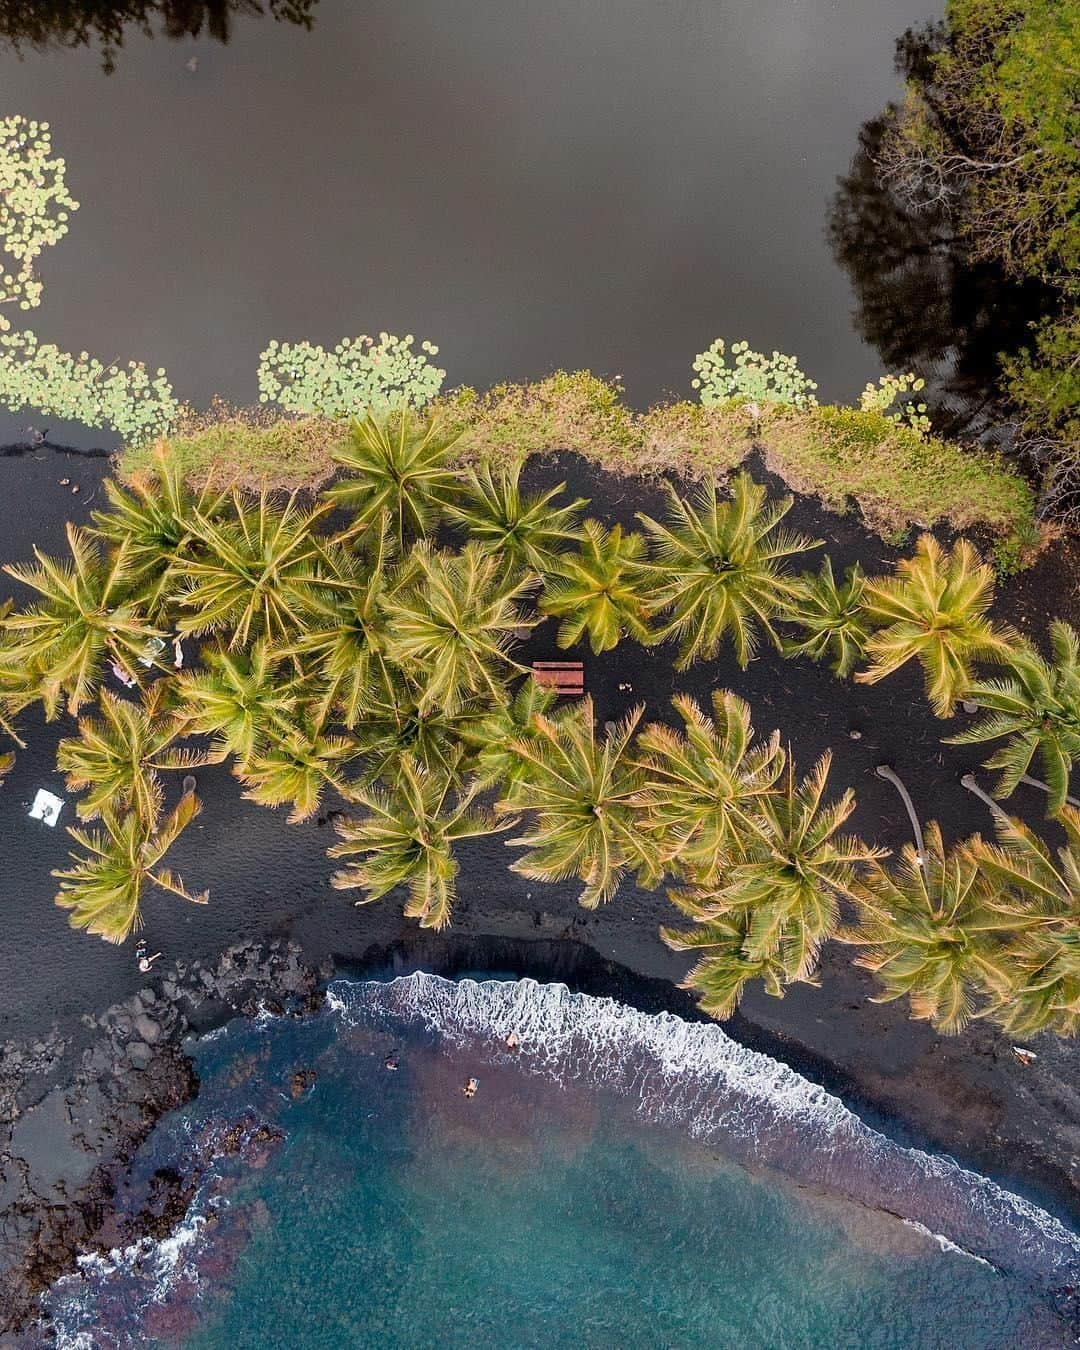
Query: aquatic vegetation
596, 592
891, 389
752, 377
934, 611
582, 792
406, 838
35, 208
103, 890
359, 373
719, 569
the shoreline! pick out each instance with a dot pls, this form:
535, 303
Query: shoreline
135, 1065
968, 1096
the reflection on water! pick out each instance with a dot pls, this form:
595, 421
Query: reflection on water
919, 302
384, 1207
103, 23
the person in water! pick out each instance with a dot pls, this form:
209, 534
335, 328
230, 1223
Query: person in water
512, 1041
470, 1087
391, 1062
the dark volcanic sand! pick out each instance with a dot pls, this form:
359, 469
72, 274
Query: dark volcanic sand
967, 1095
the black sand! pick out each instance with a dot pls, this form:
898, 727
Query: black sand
967, 1095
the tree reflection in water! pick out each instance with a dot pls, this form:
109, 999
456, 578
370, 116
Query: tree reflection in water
921, 304
40, 24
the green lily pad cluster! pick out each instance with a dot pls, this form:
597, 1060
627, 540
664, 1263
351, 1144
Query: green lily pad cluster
381, 375
891, 392
35, 206
751, 377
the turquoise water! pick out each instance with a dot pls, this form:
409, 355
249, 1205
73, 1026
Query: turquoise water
544, 1211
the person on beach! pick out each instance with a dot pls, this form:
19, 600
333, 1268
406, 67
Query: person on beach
469, 1090
145, 961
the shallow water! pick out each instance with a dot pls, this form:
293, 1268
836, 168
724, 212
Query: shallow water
596, 1191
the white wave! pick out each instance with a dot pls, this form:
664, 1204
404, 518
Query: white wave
693, 1076
943, 1242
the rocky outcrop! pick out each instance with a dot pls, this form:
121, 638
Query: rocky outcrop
75, 1106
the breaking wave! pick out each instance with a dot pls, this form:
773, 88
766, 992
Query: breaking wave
692, 1076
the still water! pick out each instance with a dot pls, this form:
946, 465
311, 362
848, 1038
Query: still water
601, 183
618, 1180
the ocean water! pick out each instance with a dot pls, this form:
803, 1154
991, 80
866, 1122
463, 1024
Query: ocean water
617, 1180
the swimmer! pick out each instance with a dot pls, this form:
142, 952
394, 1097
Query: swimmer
512, 1041
391, 1062
470, 1087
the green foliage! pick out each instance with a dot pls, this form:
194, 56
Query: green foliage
596, 592
1042, 957
296, 766
80, 389
932, 933
360, 375
104, 890
1036, 705
407, 838
115, 758
832, 618
777, 902
703, 783
888, 390
753, 377
398, 467
85, 615
719, 569
35, 206
934, 611
583, 794
525, 530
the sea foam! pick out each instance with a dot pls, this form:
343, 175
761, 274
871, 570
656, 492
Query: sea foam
694, 1077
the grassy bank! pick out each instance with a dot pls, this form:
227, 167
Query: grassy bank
897, 478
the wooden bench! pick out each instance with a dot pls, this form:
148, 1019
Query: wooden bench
567, 678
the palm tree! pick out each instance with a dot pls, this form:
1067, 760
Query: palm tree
596, 592
528, 531
407, 838
724, 969
934, 611
85, 615
255, 572
1041, 902
154, 518
14, 696
346, 636
115, 758
832, 618
583, 793
702, 782
490, 737
453, 625
1036, 704
295, 767
401, 727
103, 890
7, 763
779, 895
933, 932
719, 568
239, 700
397, 465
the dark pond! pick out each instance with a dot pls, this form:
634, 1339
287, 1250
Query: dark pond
603, 183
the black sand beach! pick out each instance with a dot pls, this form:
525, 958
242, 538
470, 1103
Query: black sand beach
967, 1095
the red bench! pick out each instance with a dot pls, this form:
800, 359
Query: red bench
565, 677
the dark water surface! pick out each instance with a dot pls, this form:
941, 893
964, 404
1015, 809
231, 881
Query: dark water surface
595, 1192
602, 183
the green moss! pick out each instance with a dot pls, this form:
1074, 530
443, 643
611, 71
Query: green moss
898, 477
